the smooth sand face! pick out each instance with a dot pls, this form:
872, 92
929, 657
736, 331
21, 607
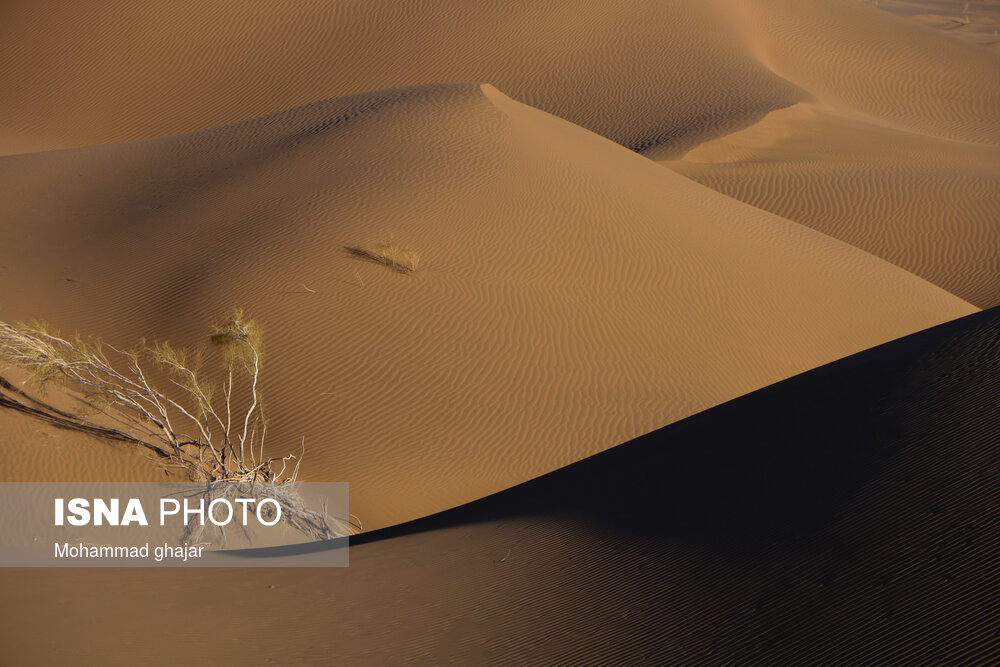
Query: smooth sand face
858, 60
572, 294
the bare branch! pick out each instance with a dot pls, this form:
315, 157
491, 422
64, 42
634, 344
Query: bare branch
112, 382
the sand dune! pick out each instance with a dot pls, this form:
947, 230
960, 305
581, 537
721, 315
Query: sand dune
41, 452
631, 71
925, 204
643, 74
572, 294
976, 22
845, 516
645, 219
660, 78
859, 60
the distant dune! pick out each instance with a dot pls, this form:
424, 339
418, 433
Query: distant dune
572, 294
631, 71
845, 516
897, 153
660, 78
928, 205
975, 22
640, 73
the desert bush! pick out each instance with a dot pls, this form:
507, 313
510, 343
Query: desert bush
213, 432
387, 252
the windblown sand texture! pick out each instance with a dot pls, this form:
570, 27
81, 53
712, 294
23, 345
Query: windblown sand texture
573, 295
976, 22
844, 516
633, 219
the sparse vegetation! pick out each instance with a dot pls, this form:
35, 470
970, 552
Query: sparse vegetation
388, 252
157, 396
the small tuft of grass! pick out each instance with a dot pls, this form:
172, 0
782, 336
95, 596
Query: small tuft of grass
387, 252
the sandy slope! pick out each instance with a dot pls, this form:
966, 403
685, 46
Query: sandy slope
856, 59
896, 155
573, 294
929, 205
846, 516
976, 22
658, 77
38, 451
641, 73
632, 71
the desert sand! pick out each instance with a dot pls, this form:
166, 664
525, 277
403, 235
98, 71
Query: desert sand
640, 73
572, 295
976, 22
692, 368
925, 204
844, 516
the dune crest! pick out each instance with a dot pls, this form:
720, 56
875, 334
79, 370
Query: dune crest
857, 59
926, 204
633, 72
643, 331
646, 75
571, 294
659, 78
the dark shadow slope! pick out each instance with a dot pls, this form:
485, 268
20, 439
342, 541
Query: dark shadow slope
849, 515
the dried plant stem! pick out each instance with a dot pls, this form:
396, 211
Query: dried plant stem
215, 443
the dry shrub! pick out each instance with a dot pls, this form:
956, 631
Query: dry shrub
215, 433
387, 252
